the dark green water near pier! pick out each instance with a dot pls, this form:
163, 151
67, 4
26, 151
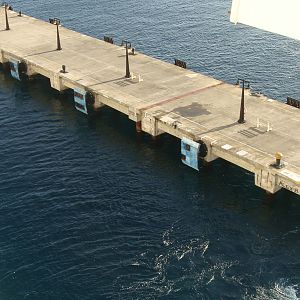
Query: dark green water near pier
90, 210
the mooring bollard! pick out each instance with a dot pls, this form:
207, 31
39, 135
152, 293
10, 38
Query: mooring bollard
278, 164
63, 69
278, 157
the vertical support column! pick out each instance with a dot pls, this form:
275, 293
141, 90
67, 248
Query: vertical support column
138, 126
1, 57
4, 61
267, 181
150, 124
56, 82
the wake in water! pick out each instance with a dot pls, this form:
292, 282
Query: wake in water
281, 290
179, 267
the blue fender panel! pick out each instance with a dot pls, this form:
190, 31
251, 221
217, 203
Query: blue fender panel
189, 153
14, 69
79, 100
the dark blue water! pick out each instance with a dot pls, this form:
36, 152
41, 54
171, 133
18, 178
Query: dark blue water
91, 210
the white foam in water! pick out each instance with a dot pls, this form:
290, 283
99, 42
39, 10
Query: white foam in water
279, 291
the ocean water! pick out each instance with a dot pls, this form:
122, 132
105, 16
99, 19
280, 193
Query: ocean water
91, 210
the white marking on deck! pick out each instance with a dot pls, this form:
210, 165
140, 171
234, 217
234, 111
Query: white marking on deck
242, 153
226, 147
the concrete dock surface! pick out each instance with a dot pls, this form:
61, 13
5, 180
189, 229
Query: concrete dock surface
163, 98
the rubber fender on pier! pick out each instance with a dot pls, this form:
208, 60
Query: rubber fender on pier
90, 101
22, 69
203, 151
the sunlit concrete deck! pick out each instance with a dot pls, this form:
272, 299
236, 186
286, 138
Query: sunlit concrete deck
167, 99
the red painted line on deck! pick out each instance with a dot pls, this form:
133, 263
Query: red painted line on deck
181, 96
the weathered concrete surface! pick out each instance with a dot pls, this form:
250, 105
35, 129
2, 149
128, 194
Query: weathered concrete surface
168, 99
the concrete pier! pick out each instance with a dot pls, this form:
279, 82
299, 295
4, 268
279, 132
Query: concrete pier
162, 98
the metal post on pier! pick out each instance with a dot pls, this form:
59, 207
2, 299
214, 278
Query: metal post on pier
56, 21
6, 17
241, 120
127, 75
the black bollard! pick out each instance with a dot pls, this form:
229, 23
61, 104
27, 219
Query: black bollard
63, 69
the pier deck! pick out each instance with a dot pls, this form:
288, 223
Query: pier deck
167, 99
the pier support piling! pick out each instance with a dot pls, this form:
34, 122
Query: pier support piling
138, 127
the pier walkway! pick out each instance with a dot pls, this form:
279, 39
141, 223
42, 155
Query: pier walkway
162, 98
